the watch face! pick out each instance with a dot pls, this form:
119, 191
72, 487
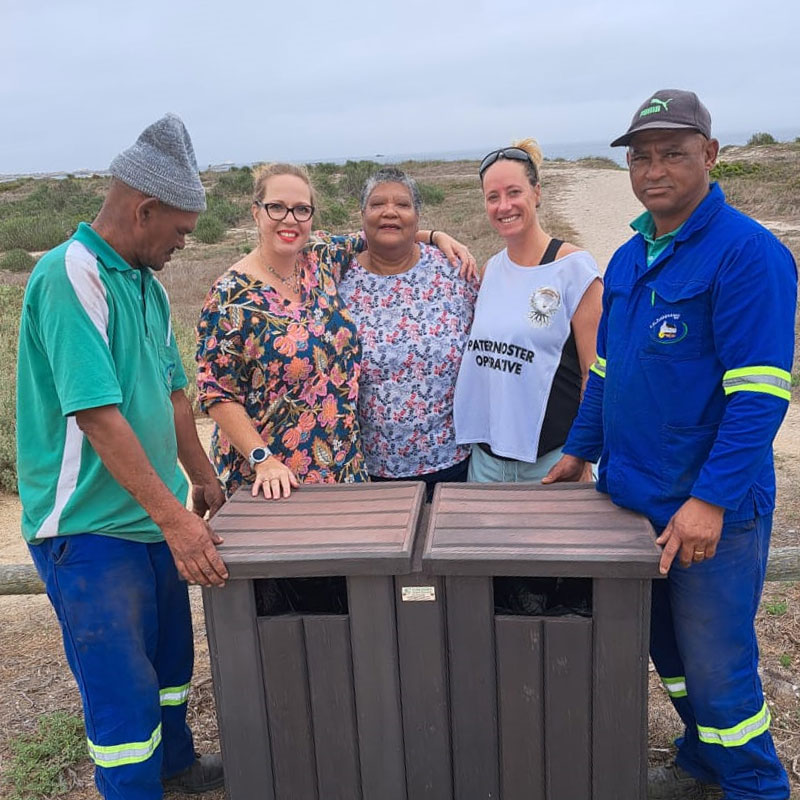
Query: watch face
258, 455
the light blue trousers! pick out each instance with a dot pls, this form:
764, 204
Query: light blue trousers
484, 468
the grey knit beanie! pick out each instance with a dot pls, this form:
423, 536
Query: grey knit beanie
161, 164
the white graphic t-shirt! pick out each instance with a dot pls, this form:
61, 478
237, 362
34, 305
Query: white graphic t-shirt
522, 321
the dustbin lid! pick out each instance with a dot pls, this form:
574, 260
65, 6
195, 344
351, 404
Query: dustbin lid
340, 529
565, 530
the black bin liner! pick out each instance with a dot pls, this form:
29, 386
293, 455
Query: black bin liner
543, 597
278, 596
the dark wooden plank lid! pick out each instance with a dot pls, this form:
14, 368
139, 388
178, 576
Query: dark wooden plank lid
342, 529
566, 530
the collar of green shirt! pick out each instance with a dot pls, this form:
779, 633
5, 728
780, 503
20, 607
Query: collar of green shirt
656, 245
87, 235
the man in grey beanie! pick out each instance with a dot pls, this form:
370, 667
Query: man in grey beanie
102, 421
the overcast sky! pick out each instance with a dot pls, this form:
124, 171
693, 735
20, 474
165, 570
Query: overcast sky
314, 79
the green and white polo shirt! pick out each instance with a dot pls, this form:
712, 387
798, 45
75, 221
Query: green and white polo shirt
94, 332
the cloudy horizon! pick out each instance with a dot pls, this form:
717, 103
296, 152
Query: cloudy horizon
316, 81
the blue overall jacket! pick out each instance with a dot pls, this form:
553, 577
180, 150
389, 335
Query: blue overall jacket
692, 377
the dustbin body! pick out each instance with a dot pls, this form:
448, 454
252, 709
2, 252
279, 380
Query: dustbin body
308, 698
537, 707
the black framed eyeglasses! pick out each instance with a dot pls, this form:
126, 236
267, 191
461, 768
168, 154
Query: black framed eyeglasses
278, 211
512, 153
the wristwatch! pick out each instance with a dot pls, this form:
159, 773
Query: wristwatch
258, 454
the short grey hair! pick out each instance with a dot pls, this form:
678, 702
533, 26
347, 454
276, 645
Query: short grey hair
391, 175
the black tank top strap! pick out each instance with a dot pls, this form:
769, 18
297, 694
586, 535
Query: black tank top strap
551, 251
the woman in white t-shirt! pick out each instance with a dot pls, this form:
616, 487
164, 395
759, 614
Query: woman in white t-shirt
532, 341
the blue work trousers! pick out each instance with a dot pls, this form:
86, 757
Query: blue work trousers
127, 632
703, 644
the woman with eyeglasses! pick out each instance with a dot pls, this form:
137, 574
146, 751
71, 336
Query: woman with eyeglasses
532, 341
278, 353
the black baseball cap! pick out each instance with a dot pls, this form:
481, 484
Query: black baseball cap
668, 109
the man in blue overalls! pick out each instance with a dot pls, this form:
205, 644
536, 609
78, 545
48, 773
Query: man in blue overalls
688, 391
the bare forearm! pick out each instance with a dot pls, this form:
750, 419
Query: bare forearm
237, 426
190, 451
122, 455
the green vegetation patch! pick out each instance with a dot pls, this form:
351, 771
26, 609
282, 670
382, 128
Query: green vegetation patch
727, 169
761, 138
353, 176
39, 760
236, 181
11, 186
47, 215
209, 229
187, 346
11, 302
767, 188
431, 195
598, 162
17, 260
225, 210
776, 608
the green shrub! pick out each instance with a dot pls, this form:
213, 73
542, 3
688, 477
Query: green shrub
11, 302
325, 186
728, 169
209, 229
431, 195
354, 175
598, 162
39, 760
322, 169
10, 186
224, 209
47, 215
187, 347
236, 181
761, 138
332, 214
17, 260
35, 231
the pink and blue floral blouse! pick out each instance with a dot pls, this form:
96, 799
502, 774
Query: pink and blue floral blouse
413, 328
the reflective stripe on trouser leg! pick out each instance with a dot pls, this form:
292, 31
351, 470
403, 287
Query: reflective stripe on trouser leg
119, 755
667, 660
676, 687
713, 606
173, 660
739, 734
104, 592
174, 695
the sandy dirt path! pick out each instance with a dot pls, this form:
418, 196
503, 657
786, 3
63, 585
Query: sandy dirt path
599, 204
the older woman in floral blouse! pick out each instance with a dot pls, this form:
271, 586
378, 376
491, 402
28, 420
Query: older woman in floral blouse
413, 312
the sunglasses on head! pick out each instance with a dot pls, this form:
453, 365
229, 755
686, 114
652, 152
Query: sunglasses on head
512, 153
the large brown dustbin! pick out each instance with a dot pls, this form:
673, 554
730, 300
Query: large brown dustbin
306, 676
511, 706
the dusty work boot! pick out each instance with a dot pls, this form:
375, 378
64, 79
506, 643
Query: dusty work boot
671, 782
202, 775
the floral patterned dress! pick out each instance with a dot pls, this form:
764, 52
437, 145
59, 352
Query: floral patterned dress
294, 366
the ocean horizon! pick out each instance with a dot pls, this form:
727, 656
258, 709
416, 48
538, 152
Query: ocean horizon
569, 151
